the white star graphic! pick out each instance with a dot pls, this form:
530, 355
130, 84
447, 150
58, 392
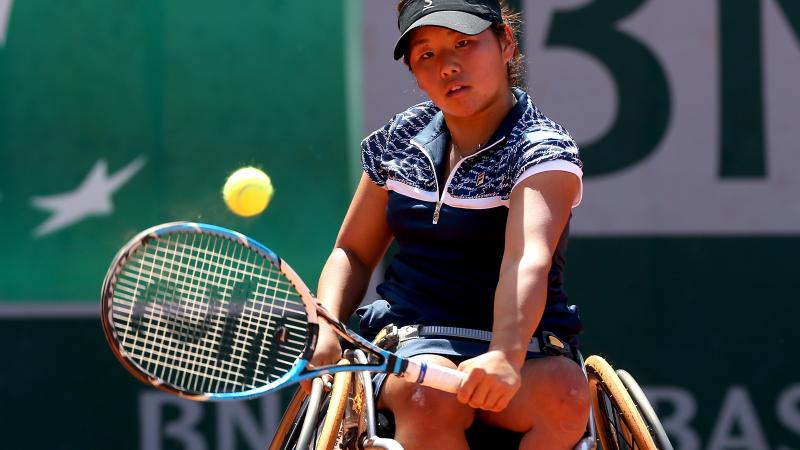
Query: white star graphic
5, 14
92, 197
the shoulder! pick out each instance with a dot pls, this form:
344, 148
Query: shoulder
410, 122
535, 129
384, 148
539, 144
406, 123
398, 132
537, 139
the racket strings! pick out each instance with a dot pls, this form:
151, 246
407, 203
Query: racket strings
208, 314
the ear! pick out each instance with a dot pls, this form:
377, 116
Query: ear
508, 44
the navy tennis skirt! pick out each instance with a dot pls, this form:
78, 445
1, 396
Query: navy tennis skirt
454, 349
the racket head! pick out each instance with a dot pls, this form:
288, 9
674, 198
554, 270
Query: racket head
205, 312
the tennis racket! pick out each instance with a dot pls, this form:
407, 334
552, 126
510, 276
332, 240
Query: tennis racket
210, 314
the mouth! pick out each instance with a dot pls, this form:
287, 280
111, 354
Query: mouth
456, 89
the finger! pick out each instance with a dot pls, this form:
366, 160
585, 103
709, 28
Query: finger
493, 401
507, 395
468, 386
480, 394
327, 381
496, 401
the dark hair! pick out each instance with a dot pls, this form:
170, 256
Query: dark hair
516, 67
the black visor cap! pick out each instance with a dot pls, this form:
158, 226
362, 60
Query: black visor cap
465, 16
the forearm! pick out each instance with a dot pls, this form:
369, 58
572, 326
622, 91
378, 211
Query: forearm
519, 304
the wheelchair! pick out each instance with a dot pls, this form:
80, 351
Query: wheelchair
341, 415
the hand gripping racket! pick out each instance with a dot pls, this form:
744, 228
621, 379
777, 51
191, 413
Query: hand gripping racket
209, 314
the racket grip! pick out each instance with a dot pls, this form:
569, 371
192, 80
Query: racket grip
435, 376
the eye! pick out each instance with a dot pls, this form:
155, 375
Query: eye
426, 55
462, 43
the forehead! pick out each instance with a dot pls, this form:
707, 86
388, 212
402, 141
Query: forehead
432, 34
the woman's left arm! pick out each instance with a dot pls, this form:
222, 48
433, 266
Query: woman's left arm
539, 210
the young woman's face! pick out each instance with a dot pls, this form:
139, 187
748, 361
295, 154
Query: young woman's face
463, 74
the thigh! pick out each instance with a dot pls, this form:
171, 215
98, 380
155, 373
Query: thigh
406, 399
393, 387
554, 391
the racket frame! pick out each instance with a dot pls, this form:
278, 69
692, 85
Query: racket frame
300, 370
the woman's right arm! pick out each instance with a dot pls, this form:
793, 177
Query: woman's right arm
360, 246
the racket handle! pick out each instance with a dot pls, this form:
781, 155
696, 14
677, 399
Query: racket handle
435, 376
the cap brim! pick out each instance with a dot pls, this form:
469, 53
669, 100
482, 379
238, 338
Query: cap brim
455, 20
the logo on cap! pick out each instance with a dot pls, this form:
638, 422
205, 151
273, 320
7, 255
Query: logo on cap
428, 4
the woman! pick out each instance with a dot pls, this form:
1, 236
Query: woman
476, 187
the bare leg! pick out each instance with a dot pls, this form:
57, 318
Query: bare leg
426, 418
551, 407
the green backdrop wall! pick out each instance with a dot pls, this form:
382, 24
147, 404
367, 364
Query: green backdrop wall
118, 116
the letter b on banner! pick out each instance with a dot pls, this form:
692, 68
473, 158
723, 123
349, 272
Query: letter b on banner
643, 93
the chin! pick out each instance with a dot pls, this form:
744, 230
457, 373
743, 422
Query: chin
458, 108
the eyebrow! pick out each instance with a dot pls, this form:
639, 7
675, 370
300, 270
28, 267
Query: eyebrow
419, 41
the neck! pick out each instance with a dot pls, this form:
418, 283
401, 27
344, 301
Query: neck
470, 134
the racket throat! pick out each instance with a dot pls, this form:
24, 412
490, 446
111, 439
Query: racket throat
397, 366
311, 345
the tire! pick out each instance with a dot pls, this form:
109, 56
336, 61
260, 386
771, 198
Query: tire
292, 420
646, 410
290, 428
619, 424
331, 430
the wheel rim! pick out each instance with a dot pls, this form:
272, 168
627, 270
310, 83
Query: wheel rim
619, 424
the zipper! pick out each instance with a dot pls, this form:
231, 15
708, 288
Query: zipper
438, 208
436, 212
435, 179
444, 191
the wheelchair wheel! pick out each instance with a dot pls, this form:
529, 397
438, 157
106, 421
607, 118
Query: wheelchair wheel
648, 414
289, 427
331, 430
619, 424
293, 431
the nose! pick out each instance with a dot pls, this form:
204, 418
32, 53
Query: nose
450, 65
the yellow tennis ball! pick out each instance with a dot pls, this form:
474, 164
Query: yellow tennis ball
247, 191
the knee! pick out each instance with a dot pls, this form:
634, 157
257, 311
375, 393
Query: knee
427, 409
569, 394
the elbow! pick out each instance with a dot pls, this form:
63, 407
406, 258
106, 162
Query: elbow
535, 263
527, 266
355, 261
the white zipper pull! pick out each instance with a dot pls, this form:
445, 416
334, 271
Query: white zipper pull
436, 212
